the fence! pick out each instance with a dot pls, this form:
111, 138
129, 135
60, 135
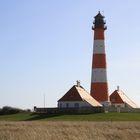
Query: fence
84, 110
69, 110
121, 109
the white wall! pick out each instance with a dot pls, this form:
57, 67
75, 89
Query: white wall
71, 104
119, 105
123, 105
106, 103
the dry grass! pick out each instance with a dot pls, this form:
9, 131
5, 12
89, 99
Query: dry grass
69, 130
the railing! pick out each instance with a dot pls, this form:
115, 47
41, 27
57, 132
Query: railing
69, 110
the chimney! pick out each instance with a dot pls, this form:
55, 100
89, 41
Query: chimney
118, 88
78, 83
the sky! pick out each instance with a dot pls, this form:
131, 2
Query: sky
46, 45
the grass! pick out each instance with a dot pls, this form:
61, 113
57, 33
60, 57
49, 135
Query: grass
84, 117
69, 130
16, 117
100, 126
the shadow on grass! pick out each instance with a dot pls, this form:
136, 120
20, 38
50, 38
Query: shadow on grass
40, 116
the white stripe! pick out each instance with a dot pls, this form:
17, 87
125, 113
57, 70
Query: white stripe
99, 47
99, 75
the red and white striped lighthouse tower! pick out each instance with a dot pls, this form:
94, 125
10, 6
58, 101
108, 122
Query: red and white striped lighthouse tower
99, 85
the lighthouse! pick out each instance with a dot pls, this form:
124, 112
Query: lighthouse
99, 85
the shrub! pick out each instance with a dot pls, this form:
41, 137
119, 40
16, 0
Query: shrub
6, 110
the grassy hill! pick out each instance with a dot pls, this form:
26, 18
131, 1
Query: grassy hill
83, 117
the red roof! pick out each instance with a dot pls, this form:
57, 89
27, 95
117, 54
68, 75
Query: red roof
118, 97
115, 98
78, 93
71, 95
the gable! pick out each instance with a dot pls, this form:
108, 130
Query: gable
71, 95
115, 98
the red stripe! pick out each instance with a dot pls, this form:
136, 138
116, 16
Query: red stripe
99, 61
99, 91
98, 33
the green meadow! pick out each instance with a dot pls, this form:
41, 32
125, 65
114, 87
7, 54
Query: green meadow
73, 117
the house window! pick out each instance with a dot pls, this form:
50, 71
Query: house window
67, 105
76, 105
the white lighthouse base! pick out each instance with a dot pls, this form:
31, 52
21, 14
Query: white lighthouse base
106, 103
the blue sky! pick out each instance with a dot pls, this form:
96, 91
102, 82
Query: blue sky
46, 45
